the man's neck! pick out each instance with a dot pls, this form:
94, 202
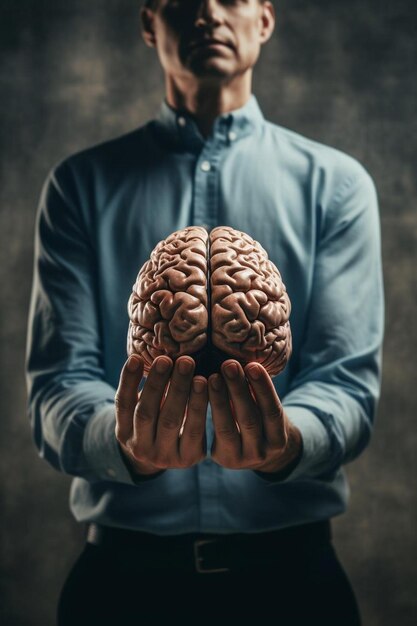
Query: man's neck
207, 100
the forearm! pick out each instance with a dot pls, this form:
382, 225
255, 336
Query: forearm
74, 427
335, 427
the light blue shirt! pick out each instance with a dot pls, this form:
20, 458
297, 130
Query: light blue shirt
102, 211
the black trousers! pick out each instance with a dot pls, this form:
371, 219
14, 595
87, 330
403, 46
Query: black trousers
293, 587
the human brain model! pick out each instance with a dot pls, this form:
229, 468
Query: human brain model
212, 296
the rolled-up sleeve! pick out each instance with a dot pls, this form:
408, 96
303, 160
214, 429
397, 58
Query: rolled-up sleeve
70, 404
334, 394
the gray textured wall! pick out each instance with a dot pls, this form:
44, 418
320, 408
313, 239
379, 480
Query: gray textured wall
344, 73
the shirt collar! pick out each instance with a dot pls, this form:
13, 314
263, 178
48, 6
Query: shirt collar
180, 127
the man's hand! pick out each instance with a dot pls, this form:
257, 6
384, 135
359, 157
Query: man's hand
251, 428
148, 425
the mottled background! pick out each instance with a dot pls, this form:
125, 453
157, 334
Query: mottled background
75, 72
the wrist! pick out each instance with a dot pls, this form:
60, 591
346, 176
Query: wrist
138, 471
282, 466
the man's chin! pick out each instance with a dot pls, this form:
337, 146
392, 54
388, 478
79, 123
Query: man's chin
209, 68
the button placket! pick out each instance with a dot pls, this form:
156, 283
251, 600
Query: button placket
206, 179
206, 183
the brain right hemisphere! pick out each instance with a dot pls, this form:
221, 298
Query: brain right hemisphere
213, 296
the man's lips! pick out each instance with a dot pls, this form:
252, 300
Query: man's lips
208, 42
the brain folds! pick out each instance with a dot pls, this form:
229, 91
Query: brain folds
202, 291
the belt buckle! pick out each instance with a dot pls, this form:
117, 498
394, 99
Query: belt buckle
198, 559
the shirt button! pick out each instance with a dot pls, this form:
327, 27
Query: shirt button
232, 135
182, 121
205, 166
111, 472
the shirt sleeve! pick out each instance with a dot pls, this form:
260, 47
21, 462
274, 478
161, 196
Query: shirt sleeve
334, 394
70, 404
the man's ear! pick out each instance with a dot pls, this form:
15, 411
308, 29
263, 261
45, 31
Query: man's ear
267, 21
148, 32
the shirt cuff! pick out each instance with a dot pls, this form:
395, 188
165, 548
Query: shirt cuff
315, 442
102, 450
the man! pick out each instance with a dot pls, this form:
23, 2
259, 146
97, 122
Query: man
230, 520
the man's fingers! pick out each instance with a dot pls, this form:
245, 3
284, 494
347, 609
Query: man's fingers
171, 415
269, 404
192, 442
126, 396
149, 403
246, 410
227, 441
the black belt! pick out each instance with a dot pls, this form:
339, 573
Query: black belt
209, 553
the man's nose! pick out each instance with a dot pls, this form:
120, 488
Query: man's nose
208, 11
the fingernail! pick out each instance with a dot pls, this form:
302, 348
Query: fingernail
198, 385
216, 382
162, 366
185, 367
133, 364
254, 372
231, 370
